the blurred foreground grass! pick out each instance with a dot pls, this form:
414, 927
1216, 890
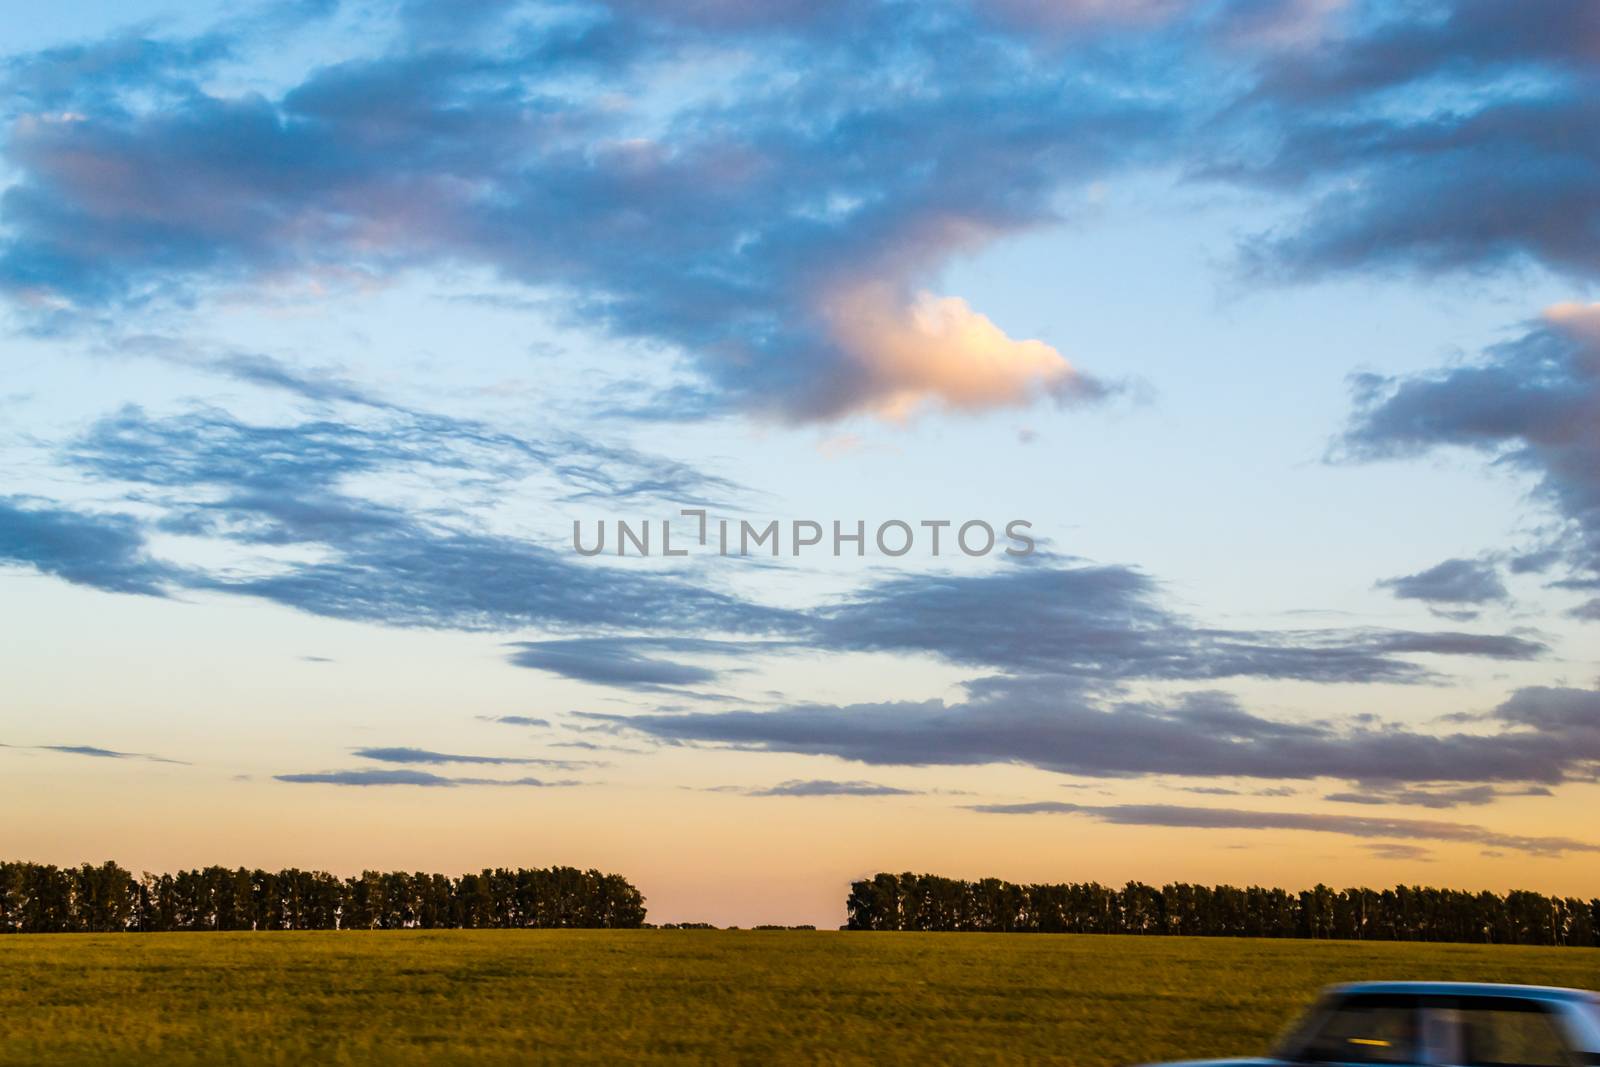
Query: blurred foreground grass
659, 996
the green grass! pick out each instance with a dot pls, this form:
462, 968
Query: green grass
493, 997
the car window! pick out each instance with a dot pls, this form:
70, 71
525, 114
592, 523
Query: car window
1503, 1035
1359, 1030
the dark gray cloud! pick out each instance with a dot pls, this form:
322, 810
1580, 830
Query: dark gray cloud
1446, 587
624, 662
1045, 615
1463, 796
1048, 615
423, 578
213, 475
1388, 46
1406, 127
517, 720
1347, 825
507, 148
216, 476
592, 746
491, 153
856, 162
1541, 737
1531, 404
398, 776
305, 462
427, 756
1391, 850
268, 372
96, 752
99, 71
1415, 191
821, 787
1225, 791
1555, 709
103, 551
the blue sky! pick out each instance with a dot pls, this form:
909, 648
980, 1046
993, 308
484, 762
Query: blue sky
324, 322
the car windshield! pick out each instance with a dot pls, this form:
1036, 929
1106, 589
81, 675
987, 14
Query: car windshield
1357, 1029
1509, 1033
1591, 1043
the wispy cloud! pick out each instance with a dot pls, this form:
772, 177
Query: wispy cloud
1394, 850
1462, 796
103, 551
1530, 403
1455, 588
1346, 825
402, 777
1045, 615
96, 752
427, 756
1541, 737
623, 662
821, 787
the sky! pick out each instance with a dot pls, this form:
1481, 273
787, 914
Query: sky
335, 331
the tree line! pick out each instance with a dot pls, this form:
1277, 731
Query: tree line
38, 898
1404, 913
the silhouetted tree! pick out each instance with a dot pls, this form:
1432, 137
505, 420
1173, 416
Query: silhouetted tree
1406, 913
38, 898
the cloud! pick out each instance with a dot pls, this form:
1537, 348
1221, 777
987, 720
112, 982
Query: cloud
938, 350
622, 662
1347, 825
268, 372
263, 486
1048, 615
1390, 850
258, 487
96, 752
307, 461
1084, 14
102, 551
1555, 709
1453, 582
1466, 796
1403, 128
647, 213
543, 147
415, 577
591, 746
409, 777
819, 787
1224, 791
63, 77
1542, 737
517, 720
1532, 404
426, 756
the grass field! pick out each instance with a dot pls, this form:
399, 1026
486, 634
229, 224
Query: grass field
493, 997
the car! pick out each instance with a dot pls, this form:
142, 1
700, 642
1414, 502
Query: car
1434, 1024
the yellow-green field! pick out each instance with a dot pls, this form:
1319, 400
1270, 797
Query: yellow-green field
658, 996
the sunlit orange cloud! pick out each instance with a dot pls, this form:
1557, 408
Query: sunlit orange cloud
937, 351
1577, 319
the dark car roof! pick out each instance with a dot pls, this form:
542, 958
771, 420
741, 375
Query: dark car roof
1468, 989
